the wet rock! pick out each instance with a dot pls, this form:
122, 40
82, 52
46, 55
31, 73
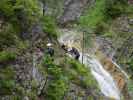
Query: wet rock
120, 81
115, 72
27, 72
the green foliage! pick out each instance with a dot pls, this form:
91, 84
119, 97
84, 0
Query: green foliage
30, 7
56, 7
22, 14
7, 36
49, 25
6, 73
21, 92
130, 64
79, 70
94, 15
18, 16
6, 56
7, 82
130, 86
60, 78
58, 85
102, 13
15, 97
32, 95
6, 87
56, 89
6, 7
115, 8
129, 9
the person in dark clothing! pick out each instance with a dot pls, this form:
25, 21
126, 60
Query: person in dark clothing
50, 50
64, 47
75, 52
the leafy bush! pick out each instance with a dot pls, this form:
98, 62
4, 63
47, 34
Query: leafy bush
49, 25
94, 15
6, 8
56, 89
61, 77
18, 16
7, 82
103, 11
81, 71
7, 36
130, 64
30, 7
130, 86
115, 8
28, 10
6, 86
7, 56
22, 14
58, 85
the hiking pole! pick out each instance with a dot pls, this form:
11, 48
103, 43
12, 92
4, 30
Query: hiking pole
83, 49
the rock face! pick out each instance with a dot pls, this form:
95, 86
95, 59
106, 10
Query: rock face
105, 45
26, 72
36, 32
126, 49
66, 10
73, 10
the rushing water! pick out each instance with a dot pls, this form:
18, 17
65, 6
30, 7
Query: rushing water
107, 84
104, 79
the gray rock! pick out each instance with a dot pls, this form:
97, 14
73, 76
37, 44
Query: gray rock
130, 21
36, 32
72, 10
106, 46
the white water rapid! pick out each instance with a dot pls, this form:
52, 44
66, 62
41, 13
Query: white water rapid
104, 79
107, 84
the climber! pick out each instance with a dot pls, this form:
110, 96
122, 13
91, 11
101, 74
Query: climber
50, 49
64, 47
73, 51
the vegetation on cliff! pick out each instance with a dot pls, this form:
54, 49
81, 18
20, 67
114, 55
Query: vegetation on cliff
17, 21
